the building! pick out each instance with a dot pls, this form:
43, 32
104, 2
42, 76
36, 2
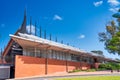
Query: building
30, 55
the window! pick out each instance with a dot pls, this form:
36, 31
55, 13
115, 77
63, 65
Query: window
75, 57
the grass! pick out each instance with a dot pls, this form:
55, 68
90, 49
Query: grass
89, 70
93, 78
74, 71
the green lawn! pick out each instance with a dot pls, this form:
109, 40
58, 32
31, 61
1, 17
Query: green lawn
93, 78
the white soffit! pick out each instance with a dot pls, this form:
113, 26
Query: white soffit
30, 40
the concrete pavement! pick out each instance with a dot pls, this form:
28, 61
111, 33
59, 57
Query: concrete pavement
68, 75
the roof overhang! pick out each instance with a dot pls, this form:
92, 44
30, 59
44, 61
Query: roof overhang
26, 40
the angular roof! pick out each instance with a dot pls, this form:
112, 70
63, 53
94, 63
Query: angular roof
26, 40
40, 41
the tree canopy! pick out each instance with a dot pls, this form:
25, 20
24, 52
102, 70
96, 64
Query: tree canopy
111, 37
99, 52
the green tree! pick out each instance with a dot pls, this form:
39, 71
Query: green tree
110, 65
117, 59
111, 37
99, 52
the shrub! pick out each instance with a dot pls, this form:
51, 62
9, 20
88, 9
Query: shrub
76, 70
91, 70
109, 66
101, 69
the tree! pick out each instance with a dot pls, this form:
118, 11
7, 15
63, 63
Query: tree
109, 66
98, 52
117, 59
111, 37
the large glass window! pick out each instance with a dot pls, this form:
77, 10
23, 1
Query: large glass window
75, 57
30, 52
54, 54
38, 53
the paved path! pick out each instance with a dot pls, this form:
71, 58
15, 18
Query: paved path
54, 77
77, 74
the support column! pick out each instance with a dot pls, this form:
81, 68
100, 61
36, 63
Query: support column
1, 56
66, 62
80, 63
35, 52
46, 61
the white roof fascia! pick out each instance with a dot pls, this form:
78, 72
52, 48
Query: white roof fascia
52, 43
45, 41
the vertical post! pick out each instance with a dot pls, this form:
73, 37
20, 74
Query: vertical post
40, 32
35, 52
35, 29
56, 39
45, 34
66, 62
40, 53
12, 57
1, 56
68, 44
62, 42
56, 54
80, 62
46, 63
51, 53
30, 25
62, 55
50, 36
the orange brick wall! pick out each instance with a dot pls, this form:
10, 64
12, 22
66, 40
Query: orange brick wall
55, 66
73, 65
85, 66
29, 66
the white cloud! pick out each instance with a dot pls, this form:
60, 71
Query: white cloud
114, 2
2, 25
96, 4
32, 29
81, 36
114, 9
57, 17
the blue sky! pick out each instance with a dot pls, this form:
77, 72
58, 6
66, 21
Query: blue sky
76, 22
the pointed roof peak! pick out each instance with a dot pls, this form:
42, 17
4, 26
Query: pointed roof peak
30, 20
23, 26
24, 12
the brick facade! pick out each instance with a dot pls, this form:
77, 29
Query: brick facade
26, 66
29, 66
73, 65
55, 66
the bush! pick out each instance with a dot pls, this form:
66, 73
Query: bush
101, 69
91, 70
109, 66
76, 70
